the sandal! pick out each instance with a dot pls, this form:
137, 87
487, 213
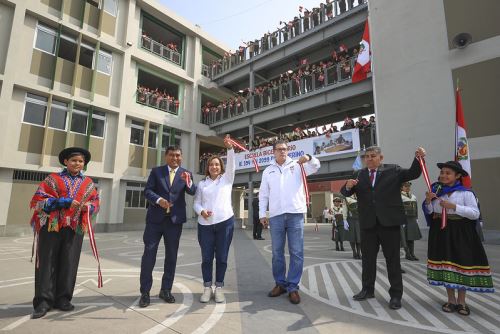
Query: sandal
449, 307
463, 309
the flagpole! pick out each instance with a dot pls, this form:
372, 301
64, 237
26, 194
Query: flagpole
455, 127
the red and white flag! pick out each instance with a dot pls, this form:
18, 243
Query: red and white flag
363, 63
461, 145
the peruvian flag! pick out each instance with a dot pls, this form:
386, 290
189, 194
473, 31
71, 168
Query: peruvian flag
363, 63
461, 145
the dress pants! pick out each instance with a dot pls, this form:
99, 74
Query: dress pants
58, 258
257, 229
153, 233
389, 238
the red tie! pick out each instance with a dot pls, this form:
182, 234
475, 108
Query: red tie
372, 176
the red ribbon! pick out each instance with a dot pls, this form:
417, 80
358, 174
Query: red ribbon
187, 178
304, 181
429, 187
94, 249
241, 147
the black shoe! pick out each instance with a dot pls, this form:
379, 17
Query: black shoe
145, 300
363, 294
395, 303
39, 312
414, 258
409, 257
167, 296
342, 249
260, 238
402, 271
65, 305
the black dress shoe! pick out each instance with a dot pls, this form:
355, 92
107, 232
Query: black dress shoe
145, 300
65, 305
402, 271
260, 238
167, 296
39, 312
363, 294
395, 303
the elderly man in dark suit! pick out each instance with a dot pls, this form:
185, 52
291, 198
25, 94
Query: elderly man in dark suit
165, 192
381, 213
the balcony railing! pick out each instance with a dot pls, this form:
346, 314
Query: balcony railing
304, 85
291, 30
154, 101
160, 50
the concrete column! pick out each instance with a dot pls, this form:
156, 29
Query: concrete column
5, 191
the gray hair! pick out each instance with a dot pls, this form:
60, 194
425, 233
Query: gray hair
280, 142
374, 148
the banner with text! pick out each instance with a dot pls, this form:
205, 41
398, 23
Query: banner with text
339, 142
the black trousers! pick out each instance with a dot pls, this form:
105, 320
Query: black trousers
58, 258
389, 239
153, 233
257, 229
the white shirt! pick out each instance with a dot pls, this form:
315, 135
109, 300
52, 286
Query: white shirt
405, 198
341, 210
215, 195
282, 189
464, 200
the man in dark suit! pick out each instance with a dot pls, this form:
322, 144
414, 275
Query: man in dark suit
381, 213
257, 226
165, 192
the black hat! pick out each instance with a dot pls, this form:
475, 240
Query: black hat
453, 165
71, 151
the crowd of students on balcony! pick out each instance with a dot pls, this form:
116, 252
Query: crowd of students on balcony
146, 39
156, 98
307, 131
286, 30
366, 133
303, 79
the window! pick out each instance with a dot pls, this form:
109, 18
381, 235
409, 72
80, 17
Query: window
67, 48
110, 7
79, 120
137, 133
35, 109
153, 135
166, 138
86, 56
134, 195
45, 39
58, 115
105, 62
98, 124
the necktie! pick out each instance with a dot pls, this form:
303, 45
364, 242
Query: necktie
372, 176
171, 177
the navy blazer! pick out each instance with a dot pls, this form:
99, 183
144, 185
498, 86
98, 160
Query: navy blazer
383, 201
158, 185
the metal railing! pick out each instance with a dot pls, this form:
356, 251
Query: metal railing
157, 102
160, 50
284, 91
292, 29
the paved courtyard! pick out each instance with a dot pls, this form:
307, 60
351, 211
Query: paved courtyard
330, 279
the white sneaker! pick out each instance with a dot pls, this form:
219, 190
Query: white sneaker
219, 295
206, 295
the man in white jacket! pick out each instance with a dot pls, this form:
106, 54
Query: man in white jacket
282, 189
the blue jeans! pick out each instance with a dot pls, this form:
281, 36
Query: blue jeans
289, 225
215, 240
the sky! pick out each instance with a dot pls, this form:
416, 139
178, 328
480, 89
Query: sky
232, 22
